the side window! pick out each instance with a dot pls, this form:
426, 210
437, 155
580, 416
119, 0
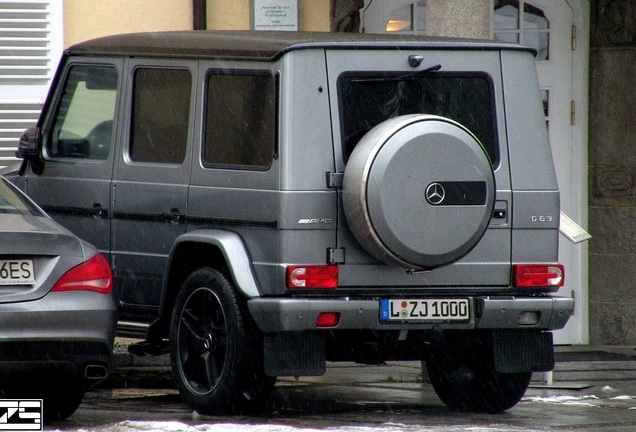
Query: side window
240, 120
160, 115
83, 126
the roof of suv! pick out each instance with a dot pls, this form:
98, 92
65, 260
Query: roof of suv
261, 45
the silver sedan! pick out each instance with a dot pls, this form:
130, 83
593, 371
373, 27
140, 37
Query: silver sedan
57, 312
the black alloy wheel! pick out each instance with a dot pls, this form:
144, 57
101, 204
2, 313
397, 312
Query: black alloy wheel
215, 355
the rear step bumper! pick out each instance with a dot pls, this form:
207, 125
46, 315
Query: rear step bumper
274, 315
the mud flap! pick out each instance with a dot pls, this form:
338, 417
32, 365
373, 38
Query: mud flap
518, 351
295, 354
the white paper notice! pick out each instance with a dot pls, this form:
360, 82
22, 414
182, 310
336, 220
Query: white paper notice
276, 15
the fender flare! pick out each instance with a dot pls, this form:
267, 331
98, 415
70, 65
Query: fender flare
235, 254
234, 251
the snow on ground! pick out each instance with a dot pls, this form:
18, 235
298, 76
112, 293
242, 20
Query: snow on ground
175, 426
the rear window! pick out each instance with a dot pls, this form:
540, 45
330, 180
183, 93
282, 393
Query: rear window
367, 99
13, 202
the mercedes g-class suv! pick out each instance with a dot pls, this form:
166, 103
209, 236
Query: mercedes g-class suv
270, 202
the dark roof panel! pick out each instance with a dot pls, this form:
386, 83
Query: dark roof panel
259, 45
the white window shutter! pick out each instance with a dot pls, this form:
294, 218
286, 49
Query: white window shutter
31, 43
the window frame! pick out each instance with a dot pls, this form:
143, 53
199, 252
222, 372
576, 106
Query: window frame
522, 32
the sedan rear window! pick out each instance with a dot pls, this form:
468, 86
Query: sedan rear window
367, 99
13, 202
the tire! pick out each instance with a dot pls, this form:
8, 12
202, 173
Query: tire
60, 397
471, 384
418, 191
216, 353
62, 401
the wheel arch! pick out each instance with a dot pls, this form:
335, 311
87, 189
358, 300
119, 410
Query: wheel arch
221, 249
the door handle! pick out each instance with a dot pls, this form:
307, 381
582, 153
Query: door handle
97, 211
174, 216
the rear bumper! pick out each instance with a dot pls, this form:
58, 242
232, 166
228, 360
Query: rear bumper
66, 334
274, 315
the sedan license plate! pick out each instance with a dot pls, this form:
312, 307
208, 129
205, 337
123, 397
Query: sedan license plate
16, 272
425, 310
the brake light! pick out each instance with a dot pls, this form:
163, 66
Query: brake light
325, 276
538, 275
91, 275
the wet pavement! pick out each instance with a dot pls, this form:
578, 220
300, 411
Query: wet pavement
591, 388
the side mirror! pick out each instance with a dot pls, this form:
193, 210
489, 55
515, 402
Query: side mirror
29, 144
29, 150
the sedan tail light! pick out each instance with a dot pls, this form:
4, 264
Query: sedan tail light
92, 275
538, 275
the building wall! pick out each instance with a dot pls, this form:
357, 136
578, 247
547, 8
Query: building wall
314, 15
228, 14
89, 19
612, 161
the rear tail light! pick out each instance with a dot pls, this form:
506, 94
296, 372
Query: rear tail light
325, 276
91, 275
538, 275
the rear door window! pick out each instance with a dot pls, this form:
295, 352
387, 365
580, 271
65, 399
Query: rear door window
160, 116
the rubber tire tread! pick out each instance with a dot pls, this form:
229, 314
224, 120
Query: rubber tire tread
242, 386
60, 396
489, 391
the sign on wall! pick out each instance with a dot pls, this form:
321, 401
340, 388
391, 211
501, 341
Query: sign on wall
280, 15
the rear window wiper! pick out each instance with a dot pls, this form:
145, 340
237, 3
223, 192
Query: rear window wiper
403, 77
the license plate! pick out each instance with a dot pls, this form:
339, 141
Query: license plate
425, 310
16, 272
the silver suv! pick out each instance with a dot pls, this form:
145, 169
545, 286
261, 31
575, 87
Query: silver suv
273, 201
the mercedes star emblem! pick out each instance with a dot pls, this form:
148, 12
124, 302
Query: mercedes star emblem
435, 193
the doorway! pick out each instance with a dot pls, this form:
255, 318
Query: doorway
558, 31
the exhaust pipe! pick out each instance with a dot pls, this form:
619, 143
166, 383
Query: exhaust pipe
95, 372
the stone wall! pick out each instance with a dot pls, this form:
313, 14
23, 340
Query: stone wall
612, 161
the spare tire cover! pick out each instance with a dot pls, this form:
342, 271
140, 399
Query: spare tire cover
418, 191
